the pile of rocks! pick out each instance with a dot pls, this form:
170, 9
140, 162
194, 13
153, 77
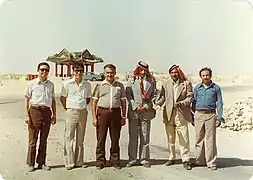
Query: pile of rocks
239, 116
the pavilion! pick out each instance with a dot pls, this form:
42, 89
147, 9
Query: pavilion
66, 58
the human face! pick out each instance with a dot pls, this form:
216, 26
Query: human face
205, 76
78, 73
110, 74
43, 72
143, 72
174, 74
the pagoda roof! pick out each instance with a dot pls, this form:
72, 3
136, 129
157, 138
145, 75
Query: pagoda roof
64, 56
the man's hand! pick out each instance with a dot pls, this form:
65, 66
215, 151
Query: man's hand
140, 109
123, 121
53, 120
217, 123
178, 104
28, 120
95, 121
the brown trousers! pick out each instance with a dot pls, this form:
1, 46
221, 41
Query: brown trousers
108, 119
41, 122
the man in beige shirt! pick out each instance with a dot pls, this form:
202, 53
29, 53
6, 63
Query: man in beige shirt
109, 111
75, 96
40, 114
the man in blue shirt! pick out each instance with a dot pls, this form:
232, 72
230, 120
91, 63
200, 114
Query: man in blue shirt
207, 98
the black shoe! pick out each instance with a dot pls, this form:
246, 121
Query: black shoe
169, 163
30, 168
44, 167
100, 166
187, 165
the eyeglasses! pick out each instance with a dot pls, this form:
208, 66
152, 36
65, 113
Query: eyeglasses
42, 69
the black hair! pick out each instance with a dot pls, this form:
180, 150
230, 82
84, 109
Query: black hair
206, 69
43, 64
77, 65
110, 66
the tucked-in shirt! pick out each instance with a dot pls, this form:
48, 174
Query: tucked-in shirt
76, 94
109, 95
208, 98
40, 93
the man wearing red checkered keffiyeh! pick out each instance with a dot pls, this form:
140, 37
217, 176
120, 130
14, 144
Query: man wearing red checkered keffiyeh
176, 96
141, 95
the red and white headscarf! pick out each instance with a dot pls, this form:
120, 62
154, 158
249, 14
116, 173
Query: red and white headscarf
141, 64
182, 76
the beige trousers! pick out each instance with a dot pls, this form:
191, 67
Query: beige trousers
75, 125
206, 150
181, 127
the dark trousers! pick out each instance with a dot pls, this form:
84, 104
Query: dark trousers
108, 119
41, 122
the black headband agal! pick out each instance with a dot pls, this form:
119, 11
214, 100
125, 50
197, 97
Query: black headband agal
173, 67
143, 64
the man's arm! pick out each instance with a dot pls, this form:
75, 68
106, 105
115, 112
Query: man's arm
63, 96
54, 107
219, 105
153, 97
130, 98
88, 97
94, 102
189, 95
194, 100
160, 100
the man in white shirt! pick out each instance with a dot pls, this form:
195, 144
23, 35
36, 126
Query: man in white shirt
75, 96
40, 114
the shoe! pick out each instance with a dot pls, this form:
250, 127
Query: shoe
146, 165
117, 167
69, 168
44, 167
212, 168
84, 166
30, 169
130, 165
100, 166
187, 165
169, 163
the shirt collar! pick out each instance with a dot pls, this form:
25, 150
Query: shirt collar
211, 85
176, 83
73, 80
106, 82
39, 81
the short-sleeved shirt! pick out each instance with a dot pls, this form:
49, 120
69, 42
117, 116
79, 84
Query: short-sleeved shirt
109, 95
40, 93
75, 94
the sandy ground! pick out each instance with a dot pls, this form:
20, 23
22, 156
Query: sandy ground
235, 150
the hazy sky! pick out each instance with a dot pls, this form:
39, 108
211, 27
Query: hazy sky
191, 33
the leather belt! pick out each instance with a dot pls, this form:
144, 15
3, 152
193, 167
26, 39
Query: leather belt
206, 111
108, 109
39, 107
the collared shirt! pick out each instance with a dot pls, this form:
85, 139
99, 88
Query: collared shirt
40, 93
175, 87
109, 95
208, 98
76, 94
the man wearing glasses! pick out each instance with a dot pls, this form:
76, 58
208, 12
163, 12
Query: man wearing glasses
75, 96
40, 114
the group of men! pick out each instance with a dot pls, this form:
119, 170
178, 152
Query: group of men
181, 105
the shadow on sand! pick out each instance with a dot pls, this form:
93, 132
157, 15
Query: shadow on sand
222, 163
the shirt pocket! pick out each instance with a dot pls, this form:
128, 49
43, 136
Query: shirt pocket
49, 92
117, 92
37, 92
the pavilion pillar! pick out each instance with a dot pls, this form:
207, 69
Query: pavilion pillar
56, 70
68, 70
61, 70
92, 67
86, 68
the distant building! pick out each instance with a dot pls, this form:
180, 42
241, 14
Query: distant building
65, 59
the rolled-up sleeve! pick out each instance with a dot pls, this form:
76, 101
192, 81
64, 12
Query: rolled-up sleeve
95, 94
28, 91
